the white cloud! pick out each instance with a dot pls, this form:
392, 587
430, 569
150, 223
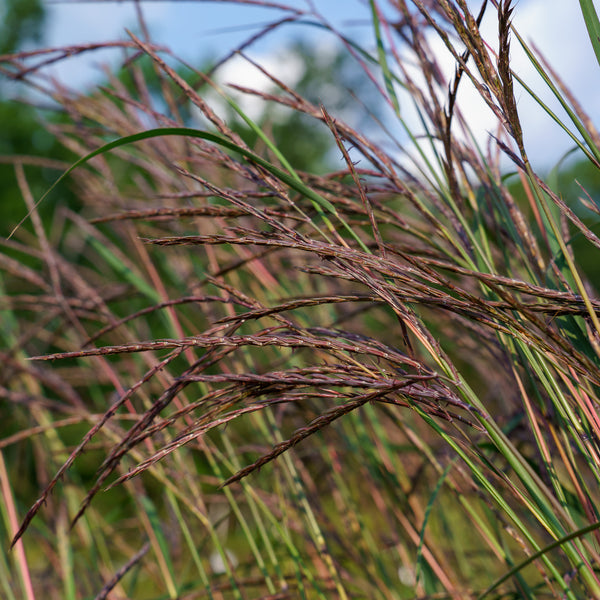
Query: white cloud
285, 66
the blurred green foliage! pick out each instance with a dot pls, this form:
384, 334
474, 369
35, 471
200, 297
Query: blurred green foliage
579, 184
21, 22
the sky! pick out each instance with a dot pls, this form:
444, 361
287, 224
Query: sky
195, 30
192, 29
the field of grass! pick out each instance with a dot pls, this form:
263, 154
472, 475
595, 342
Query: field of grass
224, 376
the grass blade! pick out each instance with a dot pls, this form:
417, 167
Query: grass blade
592, 23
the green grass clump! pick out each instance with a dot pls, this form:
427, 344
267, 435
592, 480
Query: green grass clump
226, 376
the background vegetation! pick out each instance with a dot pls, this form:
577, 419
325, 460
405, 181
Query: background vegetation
278, 359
